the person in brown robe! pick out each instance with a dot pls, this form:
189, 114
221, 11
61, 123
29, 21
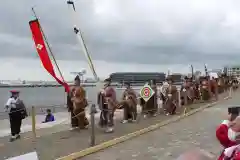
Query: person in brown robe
79, 104
129, 104
214, 87
196, 88
235, 84
220, 84
172, 97
187, 91
102, 104
112, 104
74, 121
205, 89
193, 90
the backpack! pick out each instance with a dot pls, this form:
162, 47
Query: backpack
20, 106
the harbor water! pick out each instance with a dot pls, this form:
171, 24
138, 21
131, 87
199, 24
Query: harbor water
49, 97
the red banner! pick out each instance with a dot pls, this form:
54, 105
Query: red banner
43, 53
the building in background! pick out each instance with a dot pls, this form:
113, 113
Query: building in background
232, 71
137, 77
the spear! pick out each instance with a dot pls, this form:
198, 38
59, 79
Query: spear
79, 34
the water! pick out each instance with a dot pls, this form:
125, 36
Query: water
41, 97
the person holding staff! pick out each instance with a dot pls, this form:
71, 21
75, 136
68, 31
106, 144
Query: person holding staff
74, 120
79, 104
111, 101
129, 104
17, 112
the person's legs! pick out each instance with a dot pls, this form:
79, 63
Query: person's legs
103, 119
74, 120
18, 126
110, 125
13, 125
81, 117
134, 112
105, 114
125, 113
86, 122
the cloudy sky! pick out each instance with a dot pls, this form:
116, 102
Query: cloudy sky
122, 35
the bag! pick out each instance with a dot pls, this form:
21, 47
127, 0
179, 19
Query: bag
20, 106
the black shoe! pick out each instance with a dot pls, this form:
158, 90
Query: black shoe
18, 137
12, 139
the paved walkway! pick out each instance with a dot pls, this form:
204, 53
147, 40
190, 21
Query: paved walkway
61, 119
51, 146
167, 143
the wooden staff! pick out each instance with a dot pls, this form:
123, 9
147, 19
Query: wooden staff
49, 48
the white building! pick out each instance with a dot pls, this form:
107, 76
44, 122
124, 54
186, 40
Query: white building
232, 71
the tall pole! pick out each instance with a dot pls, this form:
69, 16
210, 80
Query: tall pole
49, 48
193, 77
206, 70
80, 38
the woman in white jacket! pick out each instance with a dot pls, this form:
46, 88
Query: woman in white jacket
17, 112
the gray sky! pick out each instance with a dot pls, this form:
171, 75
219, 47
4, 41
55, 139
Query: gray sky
130, 34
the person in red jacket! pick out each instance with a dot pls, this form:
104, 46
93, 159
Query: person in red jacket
224, 134
232, 153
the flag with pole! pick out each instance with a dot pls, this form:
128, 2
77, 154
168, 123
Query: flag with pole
43, 52
206, 70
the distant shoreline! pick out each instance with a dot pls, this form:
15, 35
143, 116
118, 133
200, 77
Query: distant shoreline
40, 85
58, 85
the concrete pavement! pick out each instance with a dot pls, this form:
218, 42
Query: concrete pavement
62, 122
168, 142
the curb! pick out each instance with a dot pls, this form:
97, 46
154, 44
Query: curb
126, 137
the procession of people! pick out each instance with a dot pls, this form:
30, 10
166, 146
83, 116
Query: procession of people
172, 98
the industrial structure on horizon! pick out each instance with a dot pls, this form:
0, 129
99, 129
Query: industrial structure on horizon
232, 70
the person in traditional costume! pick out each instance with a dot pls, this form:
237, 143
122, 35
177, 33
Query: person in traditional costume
214, 86
187, 91
79, 104
205, 89
196, 88
172, 97
110, 99
183, 90
225, 81
74, 120
151, 106
235, 83
102, 105
129, 104
17, 112
220, 84
163, 90
224, 132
